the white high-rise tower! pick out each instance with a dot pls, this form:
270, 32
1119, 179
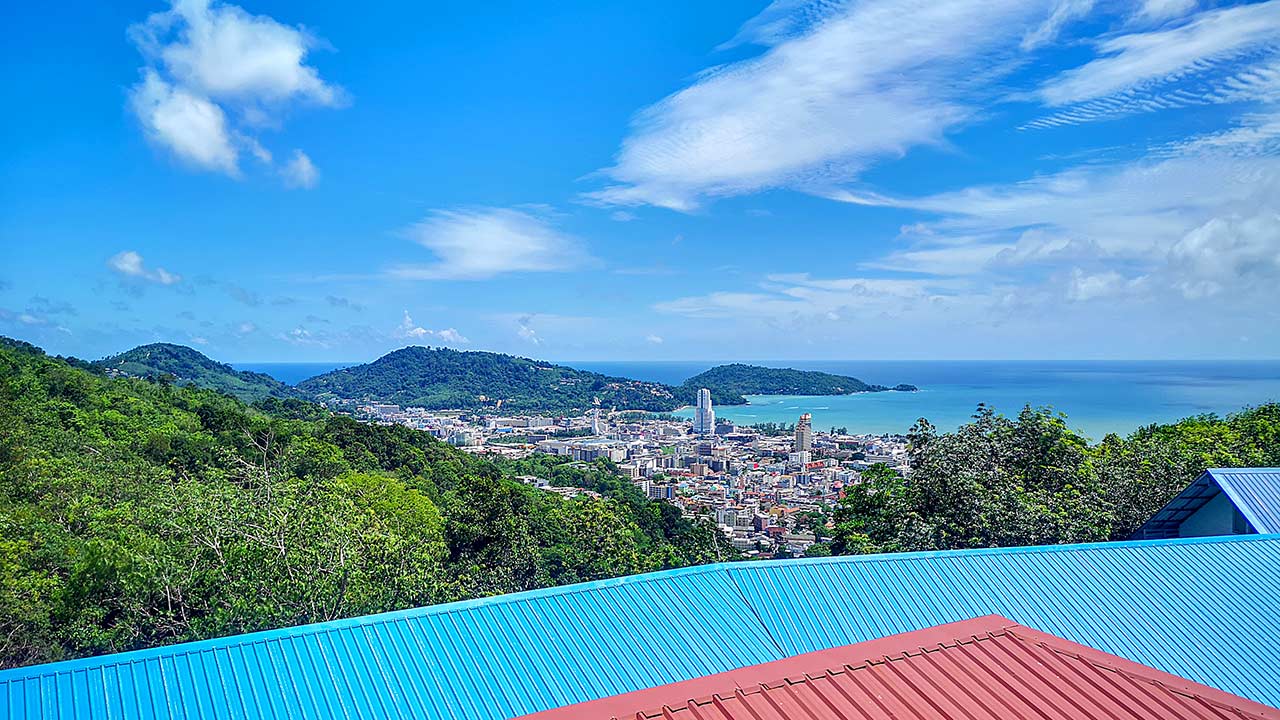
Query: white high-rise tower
704, 418
804, 434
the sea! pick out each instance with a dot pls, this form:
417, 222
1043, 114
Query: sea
1097, 397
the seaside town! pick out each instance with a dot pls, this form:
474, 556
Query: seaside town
767, 488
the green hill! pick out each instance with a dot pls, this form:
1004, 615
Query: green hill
136, 512
728, 383
440, 378
190, 367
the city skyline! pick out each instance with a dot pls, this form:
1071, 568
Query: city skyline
268, 180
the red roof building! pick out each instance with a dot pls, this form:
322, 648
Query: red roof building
989, 668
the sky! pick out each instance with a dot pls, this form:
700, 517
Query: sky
873, 179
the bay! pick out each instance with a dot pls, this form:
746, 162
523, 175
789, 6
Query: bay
292, 373
1098, 397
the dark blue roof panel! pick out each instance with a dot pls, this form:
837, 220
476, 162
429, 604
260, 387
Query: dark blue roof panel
1204, 609
1254, 491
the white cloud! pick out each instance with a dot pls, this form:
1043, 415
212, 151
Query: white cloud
1220, 55
653, 339
409, 329
1084, 286
1176, 229
838, 89
299, 172
1254, 135
1227, 253
246, 328
451, 335
1063, 13
190, 126
947, 260
1157, 10
224, 52
206, 60
525, 331
130, 264
480, 243
304, 337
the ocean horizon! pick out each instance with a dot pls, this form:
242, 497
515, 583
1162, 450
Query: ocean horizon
1097, 396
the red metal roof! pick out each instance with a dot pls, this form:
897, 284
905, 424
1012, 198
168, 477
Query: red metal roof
989, 668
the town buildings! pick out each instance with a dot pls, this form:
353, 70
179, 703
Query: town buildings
771, 495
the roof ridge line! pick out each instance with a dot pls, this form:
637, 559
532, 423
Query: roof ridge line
1005, 550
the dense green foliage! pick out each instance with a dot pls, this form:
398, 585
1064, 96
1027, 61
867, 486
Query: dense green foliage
135, 513
439, 378
728, 383
183, 365
1030, 480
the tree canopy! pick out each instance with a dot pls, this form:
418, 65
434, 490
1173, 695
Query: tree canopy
136, 513
1031, 480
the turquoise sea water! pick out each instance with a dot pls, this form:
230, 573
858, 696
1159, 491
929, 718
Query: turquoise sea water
1097, 396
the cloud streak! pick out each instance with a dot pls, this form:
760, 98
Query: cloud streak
836, 90
129, 264
480, 243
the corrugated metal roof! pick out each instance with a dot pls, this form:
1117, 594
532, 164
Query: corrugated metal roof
1254, 491
1205, 609
491, 658
988, 668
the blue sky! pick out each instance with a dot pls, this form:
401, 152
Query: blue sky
875, 179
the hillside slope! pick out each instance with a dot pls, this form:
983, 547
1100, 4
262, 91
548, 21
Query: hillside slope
728, 382
138, 513
191, 367
440, 378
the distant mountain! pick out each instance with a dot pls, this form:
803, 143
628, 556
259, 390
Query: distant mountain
440, 378
190, 367
728, 383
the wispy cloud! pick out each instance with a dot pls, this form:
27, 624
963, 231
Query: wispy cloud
839, 87
1222, 55
215, 74
1202, 224
299, 172
129, 264
479, 243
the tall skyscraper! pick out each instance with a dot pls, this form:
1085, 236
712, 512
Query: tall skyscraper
704, 418
804, 434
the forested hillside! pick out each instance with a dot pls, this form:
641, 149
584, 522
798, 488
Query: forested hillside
1030, 480
135, 513
186, 366
730, 382
439, 378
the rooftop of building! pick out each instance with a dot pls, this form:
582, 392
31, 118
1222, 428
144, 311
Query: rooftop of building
1203, 609
987, 668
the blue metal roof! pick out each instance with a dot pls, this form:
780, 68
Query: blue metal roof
1206, 609
1255, 492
